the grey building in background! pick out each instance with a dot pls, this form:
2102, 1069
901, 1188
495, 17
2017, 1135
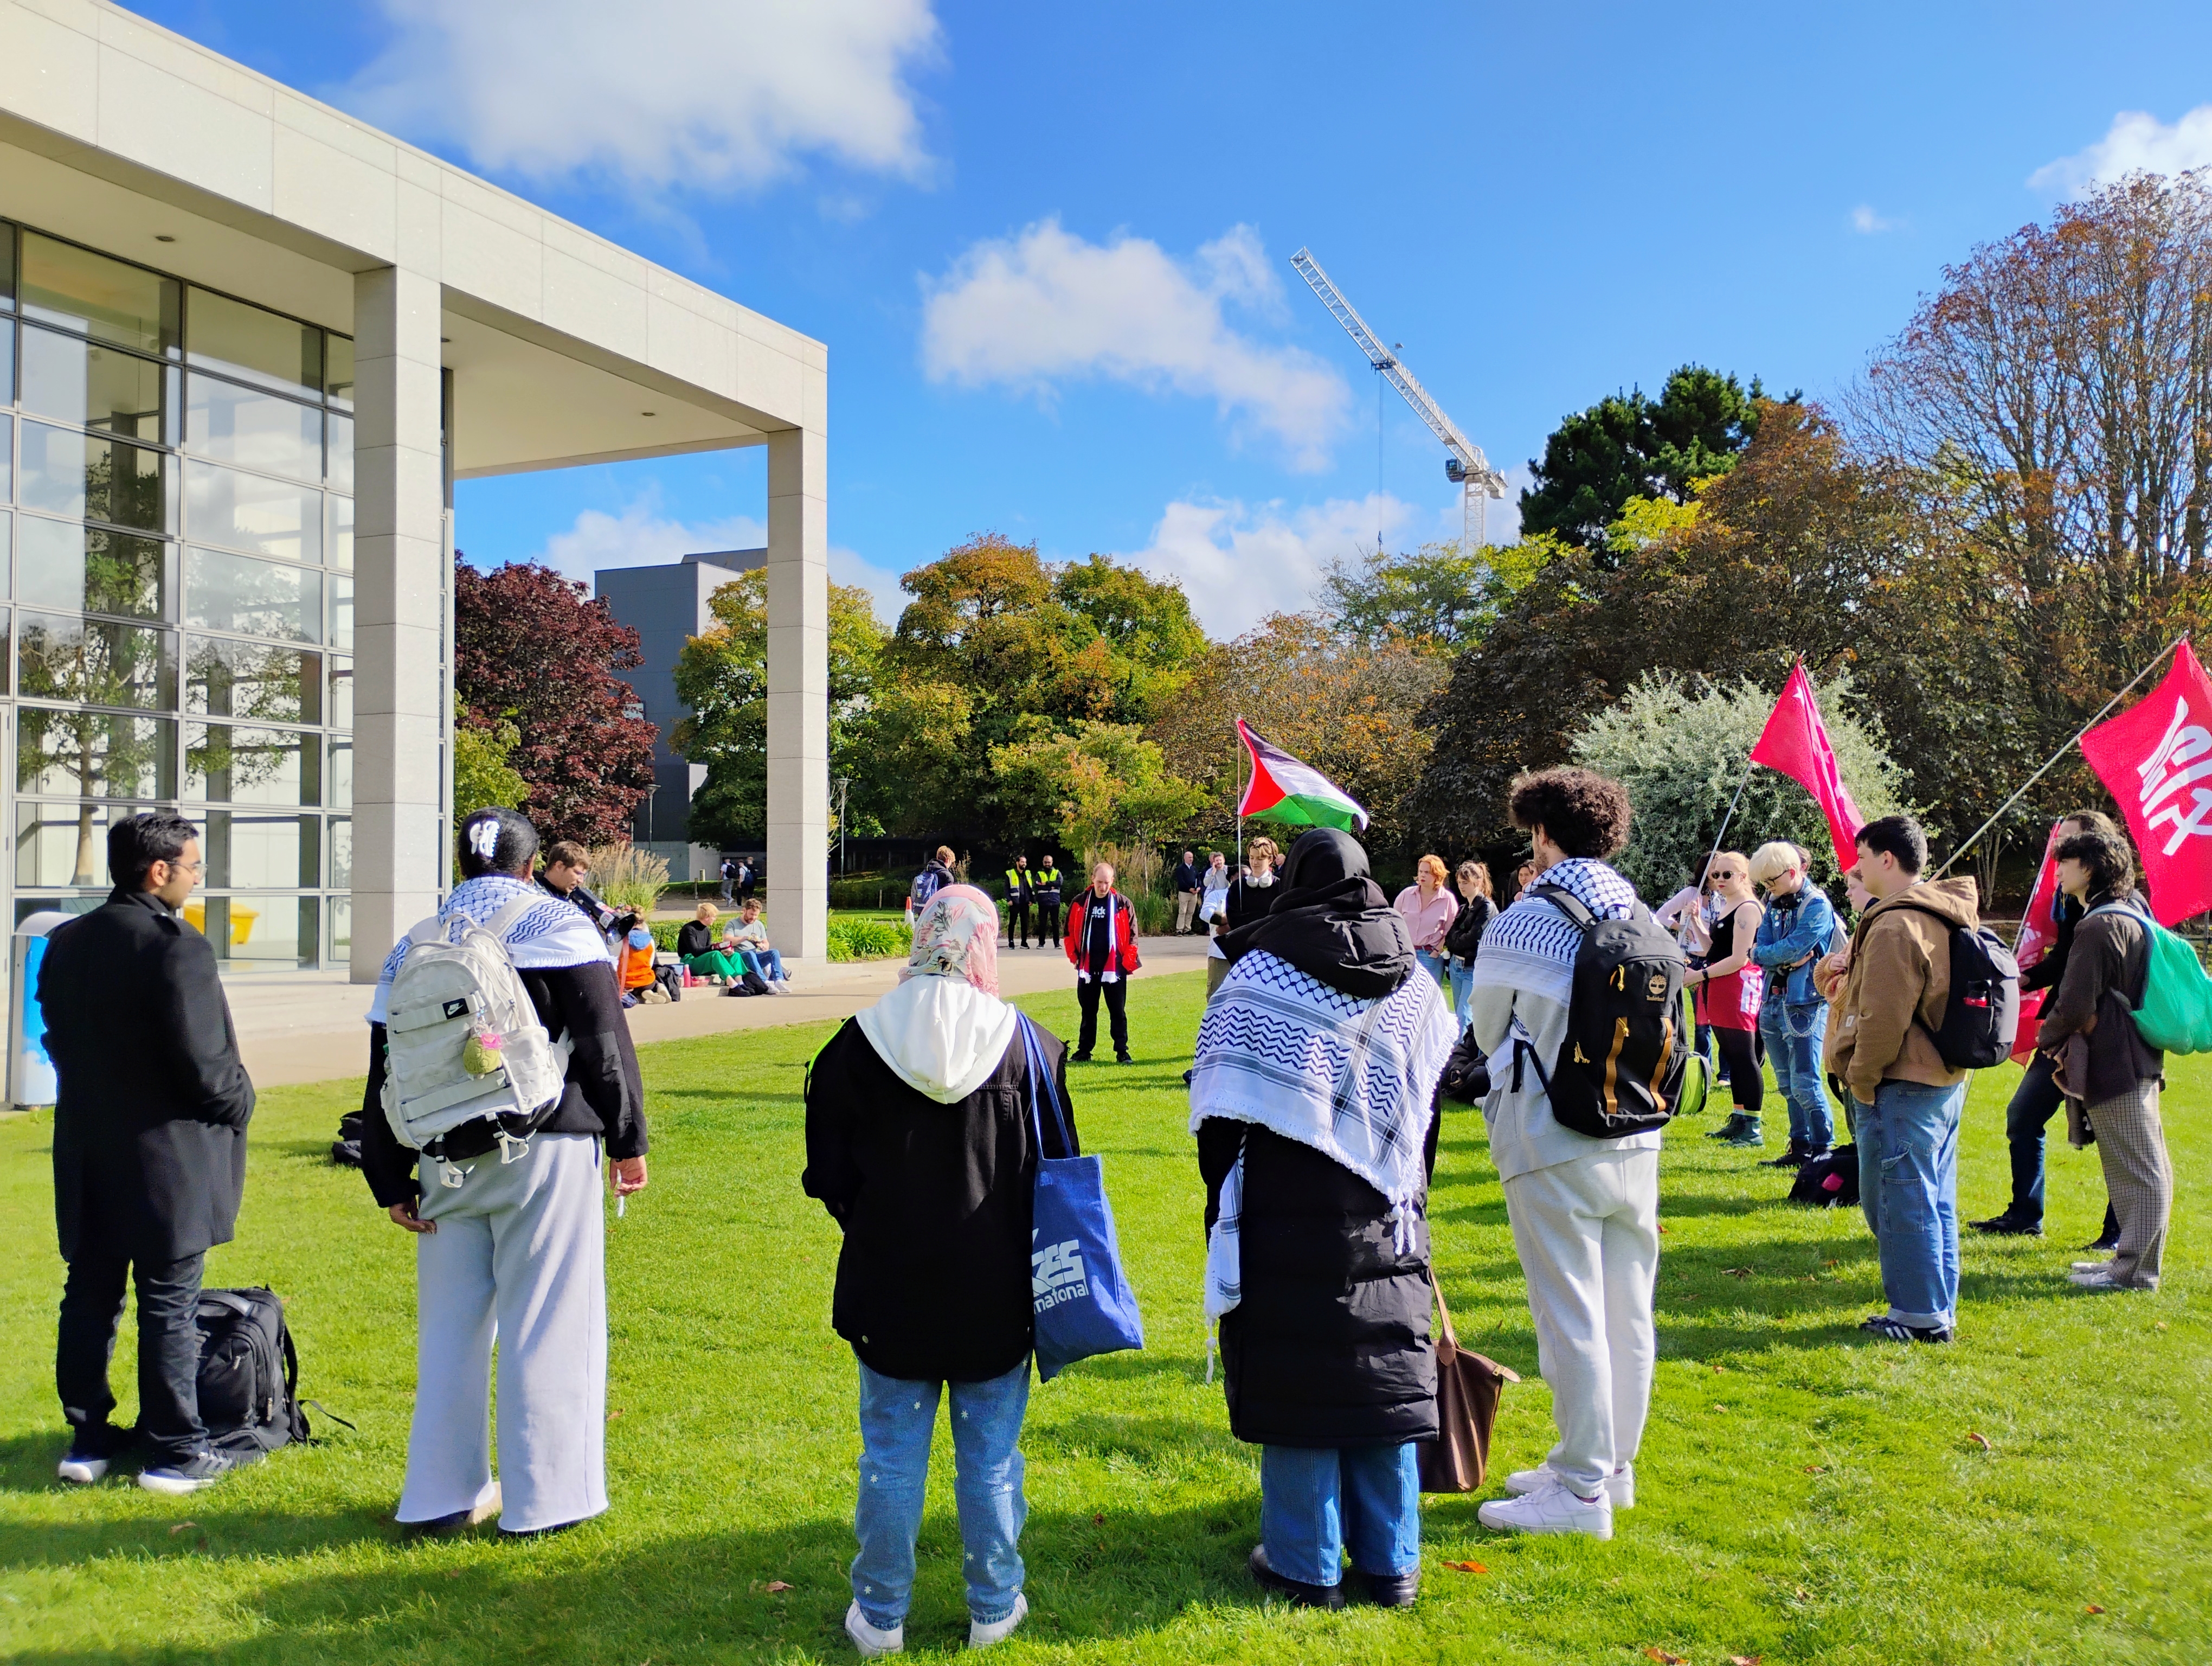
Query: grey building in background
666, 605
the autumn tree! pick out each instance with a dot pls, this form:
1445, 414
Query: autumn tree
531, 649
1437, 600
722, 677
1103, 782
1629, 445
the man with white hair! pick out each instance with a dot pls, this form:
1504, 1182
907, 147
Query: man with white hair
1101, 946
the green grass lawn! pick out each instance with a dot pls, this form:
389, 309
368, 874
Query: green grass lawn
1805, 1495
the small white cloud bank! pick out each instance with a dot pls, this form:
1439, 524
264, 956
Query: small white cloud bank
1045, 307
1238, 564
657, 95
2136, 143
1867, 223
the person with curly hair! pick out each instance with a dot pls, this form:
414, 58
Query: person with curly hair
1584, 1210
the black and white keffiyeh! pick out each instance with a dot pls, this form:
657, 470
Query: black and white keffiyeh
1353, 1080
552, 932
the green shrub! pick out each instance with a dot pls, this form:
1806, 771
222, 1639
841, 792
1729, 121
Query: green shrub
869, 939
871, 890
1154, 914
664, 933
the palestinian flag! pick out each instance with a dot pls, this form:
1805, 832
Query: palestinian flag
1286, 790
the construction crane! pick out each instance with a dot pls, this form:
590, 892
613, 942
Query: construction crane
1466, 466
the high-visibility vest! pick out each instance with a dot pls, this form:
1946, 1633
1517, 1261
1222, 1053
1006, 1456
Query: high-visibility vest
1048, 878
1017, 884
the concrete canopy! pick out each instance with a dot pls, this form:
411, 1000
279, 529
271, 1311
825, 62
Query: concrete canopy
552, 343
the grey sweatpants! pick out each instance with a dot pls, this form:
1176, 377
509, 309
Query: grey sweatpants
519, 1254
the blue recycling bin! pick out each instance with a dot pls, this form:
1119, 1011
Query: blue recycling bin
30, 1070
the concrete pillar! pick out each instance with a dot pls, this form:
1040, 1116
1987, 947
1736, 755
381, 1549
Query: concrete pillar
798, 695
399, 719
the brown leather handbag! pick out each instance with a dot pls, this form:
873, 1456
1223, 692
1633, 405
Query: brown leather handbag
1467, 1387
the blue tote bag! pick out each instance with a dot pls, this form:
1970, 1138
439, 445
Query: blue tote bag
1083, 1304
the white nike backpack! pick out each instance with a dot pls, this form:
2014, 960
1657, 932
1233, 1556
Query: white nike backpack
462, 1038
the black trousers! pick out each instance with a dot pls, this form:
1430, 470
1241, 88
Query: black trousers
1739, 1050
1018, 923
1048, 921
1117, 1014
168, 1351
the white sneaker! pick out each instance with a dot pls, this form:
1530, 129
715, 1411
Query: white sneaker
980, 1636
81, 1469
1550, 1509
1619, 1485
872, 1643
2098, 1278
2091, 1266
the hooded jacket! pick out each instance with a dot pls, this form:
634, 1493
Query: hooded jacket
2107, 965
920, 1145
1900, 969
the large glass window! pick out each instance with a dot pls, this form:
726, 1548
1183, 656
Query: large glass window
248, 511
235, 424
341, 853
8, 452
65, 564
340, 795
250, 851
65, 844
233, 763
254, 680
340, 462
77, 380
341, 701
276, 931
107, 300
254, 598
85, 477
95, 661
337, 372
230, 335
94, 754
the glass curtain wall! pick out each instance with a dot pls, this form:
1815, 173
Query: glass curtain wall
176, 536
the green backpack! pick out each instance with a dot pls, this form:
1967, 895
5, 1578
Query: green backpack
2176, 1014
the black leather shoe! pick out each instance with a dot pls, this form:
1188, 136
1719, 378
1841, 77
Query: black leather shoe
2106, 1244
1388, 1590
1123, 1058
1305, 1595
2005, 1226
1079, 1058
1793, 1158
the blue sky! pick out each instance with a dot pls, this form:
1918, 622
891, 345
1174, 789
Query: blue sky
1048, 247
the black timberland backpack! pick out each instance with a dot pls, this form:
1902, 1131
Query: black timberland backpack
1620, 1069
1981, 1014
249, 1372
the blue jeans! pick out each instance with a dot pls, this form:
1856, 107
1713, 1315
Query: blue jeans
1909, 1188
1463, 992
1317, 1501
767, 962
1432, 963
896, 1419
2034, 1103
1795, 1033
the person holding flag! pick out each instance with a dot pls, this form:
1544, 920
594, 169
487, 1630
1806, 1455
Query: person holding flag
2045, 945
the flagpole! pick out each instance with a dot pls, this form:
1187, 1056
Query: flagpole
2060, 753
1241, 749
1699, 880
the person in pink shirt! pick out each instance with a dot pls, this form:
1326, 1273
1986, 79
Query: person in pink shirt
1429, 908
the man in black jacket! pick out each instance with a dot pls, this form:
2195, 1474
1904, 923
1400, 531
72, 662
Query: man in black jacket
149, 1148
2036, 1100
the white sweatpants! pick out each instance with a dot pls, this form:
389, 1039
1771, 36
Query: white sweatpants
1588, 1234
519, 1254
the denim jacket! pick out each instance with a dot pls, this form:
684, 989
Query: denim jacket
1796, 929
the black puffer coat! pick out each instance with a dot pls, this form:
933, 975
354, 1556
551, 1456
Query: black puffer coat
935, 1202
1329, 1346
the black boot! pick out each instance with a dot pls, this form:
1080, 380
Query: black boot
1793, 1158
1305, 1595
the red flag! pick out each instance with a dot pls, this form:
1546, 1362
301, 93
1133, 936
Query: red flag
1794, 743
2156, 759
2038, 931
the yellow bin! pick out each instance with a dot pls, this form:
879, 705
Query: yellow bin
241, 920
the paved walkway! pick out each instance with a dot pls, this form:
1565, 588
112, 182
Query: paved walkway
307, 1026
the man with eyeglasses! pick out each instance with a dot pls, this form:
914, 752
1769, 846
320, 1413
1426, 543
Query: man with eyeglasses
149, 1150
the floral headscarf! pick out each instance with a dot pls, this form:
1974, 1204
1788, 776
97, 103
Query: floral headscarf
957, 935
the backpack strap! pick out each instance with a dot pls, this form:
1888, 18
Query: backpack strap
502, 922
1567, 904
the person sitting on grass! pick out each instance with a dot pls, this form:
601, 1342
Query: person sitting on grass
695, 947
747, 939
639, 983
920, 1145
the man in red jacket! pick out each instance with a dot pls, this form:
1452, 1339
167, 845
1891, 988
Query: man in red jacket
1101, 946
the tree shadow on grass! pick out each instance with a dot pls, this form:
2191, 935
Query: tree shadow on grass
1099, 1576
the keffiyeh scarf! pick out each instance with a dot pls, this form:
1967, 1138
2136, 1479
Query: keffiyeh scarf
1353, 1080
552, 932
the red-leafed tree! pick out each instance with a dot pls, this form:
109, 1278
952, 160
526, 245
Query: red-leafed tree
531, 647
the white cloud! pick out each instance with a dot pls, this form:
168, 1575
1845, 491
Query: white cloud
717, 94
1238, 564
1032, 311
2137, 142
1867, 223
641, 535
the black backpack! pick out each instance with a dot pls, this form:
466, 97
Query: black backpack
1620, 1069
1829, 1183
1981, 1014
249, 1373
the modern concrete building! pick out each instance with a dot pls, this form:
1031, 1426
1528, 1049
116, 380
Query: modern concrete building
667, 605
246, 346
